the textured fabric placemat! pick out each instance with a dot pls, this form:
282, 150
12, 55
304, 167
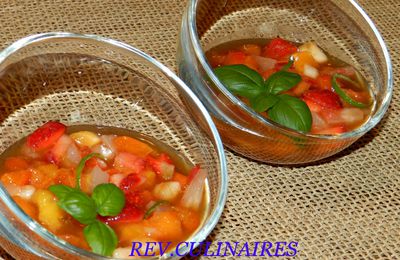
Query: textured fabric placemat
345, 207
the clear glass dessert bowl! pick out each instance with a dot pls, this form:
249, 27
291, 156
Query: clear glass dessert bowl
341, 28
87, 79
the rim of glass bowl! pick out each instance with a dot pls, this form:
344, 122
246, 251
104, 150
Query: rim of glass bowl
191, 23
215, 214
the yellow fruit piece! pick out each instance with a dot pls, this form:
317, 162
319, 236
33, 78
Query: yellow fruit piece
301, 59
50, 214
86, 138
166, 226
130, 232
150, 177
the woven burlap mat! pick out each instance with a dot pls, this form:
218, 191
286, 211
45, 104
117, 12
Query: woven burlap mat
346, 207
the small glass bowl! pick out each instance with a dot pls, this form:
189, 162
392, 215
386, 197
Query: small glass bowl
87, 79
339, 26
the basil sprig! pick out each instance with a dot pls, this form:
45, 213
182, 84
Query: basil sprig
343, 94
153, 208
106, 200
267, 95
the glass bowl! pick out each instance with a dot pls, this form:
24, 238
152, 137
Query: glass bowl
87, 79
339, 26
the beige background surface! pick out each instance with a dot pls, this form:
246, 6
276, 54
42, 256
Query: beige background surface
346, 207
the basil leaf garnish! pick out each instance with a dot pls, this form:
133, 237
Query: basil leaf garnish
292, 113
60, 190
342, 93
79, 205
101, 238
241, 80
263, 103
282, 81
109, 199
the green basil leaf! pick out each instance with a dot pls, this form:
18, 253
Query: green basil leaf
291, 112
264, 102
282, 81
288, 65
342, 93
241, 80
80, 206
109, 199
60, 190
101, 238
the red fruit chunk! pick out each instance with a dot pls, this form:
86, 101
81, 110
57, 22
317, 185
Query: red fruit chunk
131, 182
129, 214
46, 135
324, 99
138, 198
193, 173
279, 49
235, 57
129, 162
162, 166
324, 82
335, 130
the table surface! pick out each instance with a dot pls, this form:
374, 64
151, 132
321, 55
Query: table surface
345, 207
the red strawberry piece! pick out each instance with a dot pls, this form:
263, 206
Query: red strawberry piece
46, 135
131, 182
162, 166
130, 162
235, 57
322, 99
129, 214
279, 49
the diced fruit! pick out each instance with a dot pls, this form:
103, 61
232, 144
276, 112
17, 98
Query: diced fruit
324, 82
182, 179
318, 122
104, 150
167, 226
129, 214
301, 59
352, 116
168, 191
190, 219
46, 135
279, 49
250, 62
129, 232
96, 177
131, 182
161, 166
28, 207
65, 176
251, 49
15, 164
302, 87
43, 176
129, 163
193, 194
86, 138
50, 215
150, 179
138, 198
235, 57
117, 178
310, 71
323, 98
16, 177
317, 54
56, 154
131, 145
72, 156
264, 63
